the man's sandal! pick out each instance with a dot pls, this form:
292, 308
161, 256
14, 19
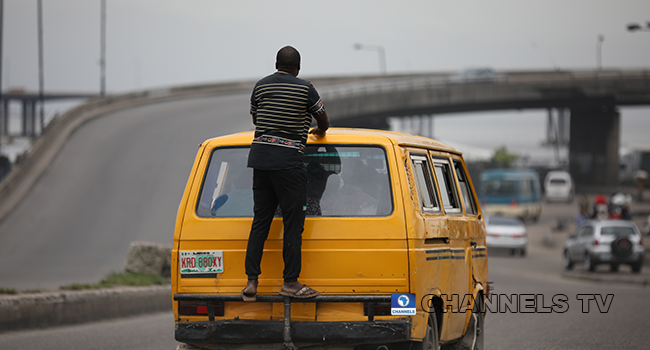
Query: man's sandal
247, 296
302, 293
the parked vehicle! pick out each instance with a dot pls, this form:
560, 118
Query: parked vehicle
388, 214
611, 242
506, 232
558, 186
511, 192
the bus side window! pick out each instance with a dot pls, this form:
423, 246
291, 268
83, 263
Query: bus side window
468, 198
447, 186
424, 183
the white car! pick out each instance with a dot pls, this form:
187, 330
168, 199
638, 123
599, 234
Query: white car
506, 232
558, 186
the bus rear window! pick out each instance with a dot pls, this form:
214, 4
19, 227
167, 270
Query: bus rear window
228, 185
343, 181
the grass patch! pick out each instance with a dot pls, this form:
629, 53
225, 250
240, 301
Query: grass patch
31, 291
8, 291
121, 279
134, 279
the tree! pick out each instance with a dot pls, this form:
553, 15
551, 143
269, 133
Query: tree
503, 158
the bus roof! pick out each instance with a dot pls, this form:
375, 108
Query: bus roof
496, 173
348, 136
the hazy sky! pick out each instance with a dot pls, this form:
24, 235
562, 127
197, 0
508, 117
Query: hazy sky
156, 43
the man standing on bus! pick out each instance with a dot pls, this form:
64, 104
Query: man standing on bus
282, 106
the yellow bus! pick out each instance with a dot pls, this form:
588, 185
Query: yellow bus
394, 241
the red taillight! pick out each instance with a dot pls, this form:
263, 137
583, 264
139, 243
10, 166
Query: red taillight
194, 308
513, 203
381, 309
596, 242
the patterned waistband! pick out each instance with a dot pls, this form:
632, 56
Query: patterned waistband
266, 139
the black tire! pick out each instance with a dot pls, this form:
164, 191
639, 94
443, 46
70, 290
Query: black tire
478, 315
636, 267
474, 337
613, 267
568, 264
513, 252
431, 339
589, 265
522, 252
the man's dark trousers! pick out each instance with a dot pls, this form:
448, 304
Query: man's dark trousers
288, 188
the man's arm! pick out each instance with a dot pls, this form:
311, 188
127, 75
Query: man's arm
254, 115
323, 123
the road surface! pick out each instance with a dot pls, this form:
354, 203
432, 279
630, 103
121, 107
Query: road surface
617, 324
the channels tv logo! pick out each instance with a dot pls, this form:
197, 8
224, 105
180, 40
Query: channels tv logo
402, 304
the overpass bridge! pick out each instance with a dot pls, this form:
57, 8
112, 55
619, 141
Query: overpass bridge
29, 100
593, 98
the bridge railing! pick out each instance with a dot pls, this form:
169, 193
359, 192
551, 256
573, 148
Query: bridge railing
439, 81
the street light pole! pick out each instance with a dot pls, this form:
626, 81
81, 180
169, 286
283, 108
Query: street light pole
380, 50
102, 59
40, 68
599, 51
2, 103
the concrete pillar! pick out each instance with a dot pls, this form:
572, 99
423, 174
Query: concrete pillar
550, 127
4, 116
29, 118
32, 126
24, 118
563, 126
593, 144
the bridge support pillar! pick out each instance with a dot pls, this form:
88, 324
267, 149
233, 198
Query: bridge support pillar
594, 143
4, 117
29, 118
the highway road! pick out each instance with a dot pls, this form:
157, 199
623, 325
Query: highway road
120, 178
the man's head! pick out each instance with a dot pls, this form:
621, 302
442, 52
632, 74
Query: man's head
288, 60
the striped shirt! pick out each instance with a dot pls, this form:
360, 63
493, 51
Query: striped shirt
283, 105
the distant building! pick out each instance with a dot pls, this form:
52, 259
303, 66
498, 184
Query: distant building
632, 159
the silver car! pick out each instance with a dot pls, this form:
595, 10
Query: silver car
506, 232
611, 242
